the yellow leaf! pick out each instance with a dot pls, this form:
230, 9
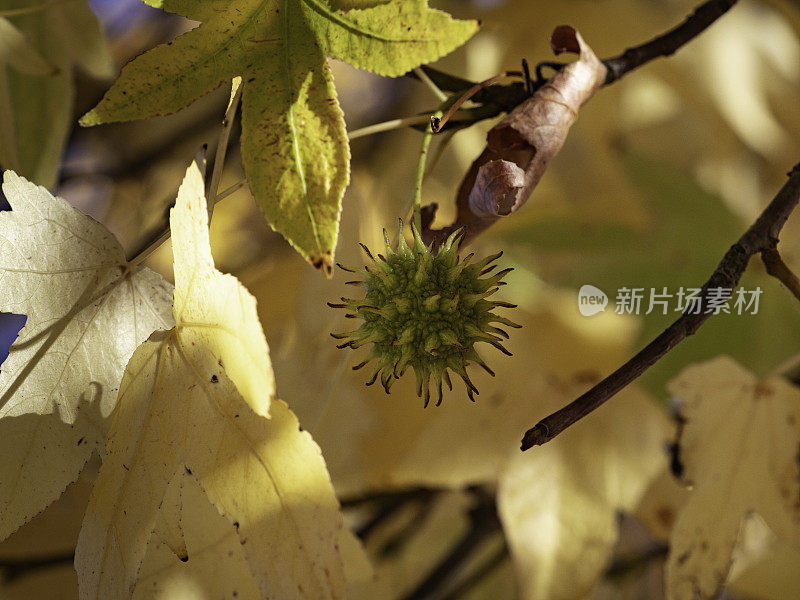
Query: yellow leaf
214, 565
87, 310
213, 310
559, 503
768, 570
195, 398
739, 449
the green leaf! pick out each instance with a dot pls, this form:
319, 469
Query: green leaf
64, 34
294, 142
389, 39
16, 52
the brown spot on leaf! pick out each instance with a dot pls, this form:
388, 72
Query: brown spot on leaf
665, 516
763, 390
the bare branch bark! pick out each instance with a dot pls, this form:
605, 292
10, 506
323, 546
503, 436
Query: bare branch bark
760, 238
781, 271
668, 43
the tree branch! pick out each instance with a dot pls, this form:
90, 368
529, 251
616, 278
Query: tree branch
472, 219
13, 569
760, 238
668, 43
484, 523
781, 271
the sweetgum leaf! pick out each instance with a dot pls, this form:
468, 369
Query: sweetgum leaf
196, 399
294, 144
87, 310
560, 504
739, 450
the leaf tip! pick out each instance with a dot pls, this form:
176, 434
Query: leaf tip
89, 119
323, 263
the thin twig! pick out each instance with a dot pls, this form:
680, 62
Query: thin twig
484, 523
14, 569
761, 237
437, 123
781, 271
222, 148
212, 191
231, 189
142, 255
469, 116
388, 126
503, 97
668, 43
616, 67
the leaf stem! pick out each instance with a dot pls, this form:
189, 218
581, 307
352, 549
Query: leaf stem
423, 158
388, 126
470, 115
423, 77
212, 191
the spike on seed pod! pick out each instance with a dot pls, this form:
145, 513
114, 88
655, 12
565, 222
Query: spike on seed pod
426, 309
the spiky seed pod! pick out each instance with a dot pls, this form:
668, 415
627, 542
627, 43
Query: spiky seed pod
425, 309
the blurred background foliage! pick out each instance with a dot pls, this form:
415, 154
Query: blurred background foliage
660, 174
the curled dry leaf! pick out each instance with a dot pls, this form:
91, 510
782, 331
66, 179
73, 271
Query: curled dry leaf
520, 147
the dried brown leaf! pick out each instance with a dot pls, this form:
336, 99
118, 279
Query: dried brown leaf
520, 147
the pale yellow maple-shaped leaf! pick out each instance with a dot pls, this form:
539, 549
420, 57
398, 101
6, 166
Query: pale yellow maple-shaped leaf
194, 398
739, 449
559, 502
213, 563
766, 565
87, 311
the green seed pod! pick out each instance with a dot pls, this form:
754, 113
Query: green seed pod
426, 310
